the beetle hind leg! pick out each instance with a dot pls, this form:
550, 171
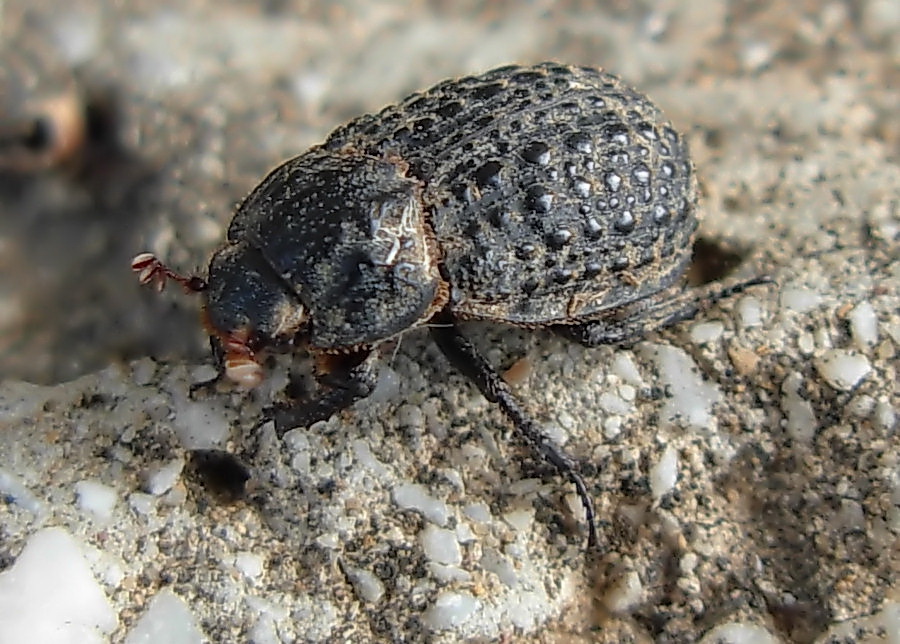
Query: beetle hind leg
465, 357
630, 323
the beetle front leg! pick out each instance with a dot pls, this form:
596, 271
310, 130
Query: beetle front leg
465, 357
341, 380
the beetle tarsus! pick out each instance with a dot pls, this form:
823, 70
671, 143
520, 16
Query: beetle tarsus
465, 357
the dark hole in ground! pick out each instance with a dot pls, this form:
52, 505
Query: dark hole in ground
714, 260
220, 473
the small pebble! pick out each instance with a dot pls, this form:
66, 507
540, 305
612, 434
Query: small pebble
863, 325
739, 633
612, 427
744, 360
800, 300
167, 619
691, 398
613, 404
50, 594
749, 312
520, 520
142, 503
706, 332
412, 496
624, 367
368, 586
450, 610
440, 545
843, 370
250, 564
885, 416
500, 565
801, 421
161, 479
96, 498
664, 474
478, 512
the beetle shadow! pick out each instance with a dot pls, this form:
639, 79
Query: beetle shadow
68, 303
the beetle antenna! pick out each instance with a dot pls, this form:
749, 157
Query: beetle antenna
151, 270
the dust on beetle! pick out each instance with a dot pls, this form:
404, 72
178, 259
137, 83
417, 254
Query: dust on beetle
545, 196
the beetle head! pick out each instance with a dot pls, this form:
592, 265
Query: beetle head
249, 309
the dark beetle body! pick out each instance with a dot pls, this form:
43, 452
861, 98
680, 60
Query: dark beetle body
554, 192
542, 195
538, 196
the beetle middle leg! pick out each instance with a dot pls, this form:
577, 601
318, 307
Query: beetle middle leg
341, 379
465, 357
629, 323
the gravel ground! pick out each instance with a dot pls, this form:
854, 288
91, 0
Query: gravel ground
744, 464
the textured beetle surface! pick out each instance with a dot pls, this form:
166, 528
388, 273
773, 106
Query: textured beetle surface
539, 196
554, 192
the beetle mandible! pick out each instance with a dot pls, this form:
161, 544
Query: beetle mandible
543, 196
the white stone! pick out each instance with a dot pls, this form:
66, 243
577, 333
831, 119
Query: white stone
142, 503
369, 587
520, 520
50, 595
96, 498
885, 417
627, 392
167, 619
613, 404
863, 325
800, 300
749, 312
479, 512
706, 332
161, 478
664, 474
448, 574
692, 398
199, 425
412, 496
494, 562
623, 366
739, 633
801, 421
843, 370
612, 427
440, 545
13, 488
250, 564
450, 610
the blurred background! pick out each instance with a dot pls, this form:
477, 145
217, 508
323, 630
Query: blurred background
140, 125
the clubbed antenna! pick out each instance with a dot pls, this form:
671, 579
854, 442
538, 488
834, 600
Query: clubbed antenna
152, 271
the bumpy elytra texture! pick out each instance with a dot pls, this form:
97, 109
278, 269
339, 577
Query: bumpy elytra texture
538, 195
555, 192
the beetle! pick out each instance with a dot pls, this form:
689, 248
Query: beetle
543, 196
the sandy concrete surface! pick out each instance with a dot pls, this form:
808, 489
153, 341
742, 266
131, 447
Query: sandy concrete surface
744, 464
